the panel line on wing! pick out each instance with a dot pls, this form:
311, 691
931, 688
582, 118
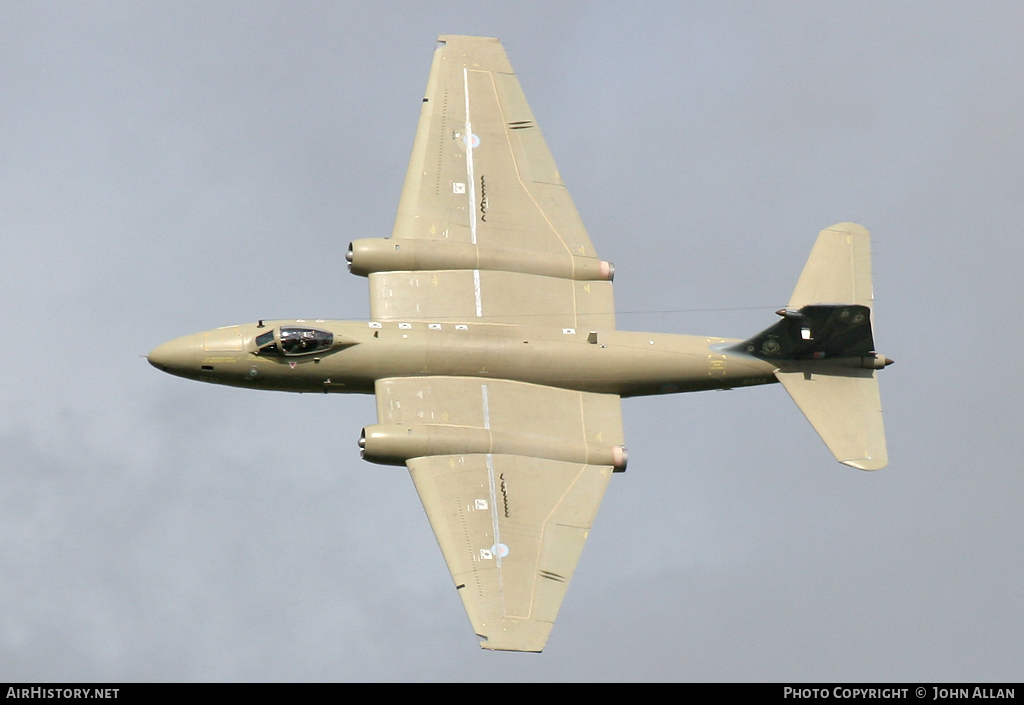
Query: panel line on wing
476, 290
575, 308
492, 488
545, 527
583, 420
519, 176
467, 139
487, 410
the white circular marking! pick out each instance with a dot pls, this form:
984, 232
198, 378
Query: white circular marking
471, 141
501, 550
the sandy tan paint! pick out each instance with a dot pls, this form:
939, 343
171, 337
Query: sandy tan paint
494, 356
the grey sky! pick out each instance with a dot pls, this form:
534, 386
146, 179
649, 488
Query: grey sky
171, 167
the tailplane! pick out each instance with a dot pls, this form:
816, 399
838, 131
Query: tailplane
825, 351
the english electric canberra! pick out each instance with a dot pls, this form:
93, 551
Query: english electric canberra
494, 357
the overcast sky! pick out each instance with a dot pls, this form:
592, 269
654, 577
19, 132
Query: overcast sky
166, 168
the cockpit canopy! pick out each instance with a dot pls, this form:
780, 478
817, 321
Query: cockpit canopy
292, 340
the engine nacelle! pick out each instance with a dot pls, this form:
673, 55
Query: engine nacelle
399, 255
394, 444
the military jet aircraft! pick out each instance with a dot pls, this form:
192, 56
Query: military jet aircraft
494, 357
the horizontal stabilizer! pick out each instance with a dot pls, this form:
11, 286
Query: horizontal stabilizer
844, 407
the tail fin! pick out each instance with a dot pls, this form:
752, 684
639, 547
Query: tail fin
825, 351
838, 270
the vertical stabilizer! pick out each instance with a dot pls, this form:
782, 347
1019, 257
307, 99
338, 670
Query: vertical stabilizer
838, 270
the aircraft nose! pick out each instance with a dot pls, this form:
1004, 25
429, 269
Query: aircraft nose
177, 354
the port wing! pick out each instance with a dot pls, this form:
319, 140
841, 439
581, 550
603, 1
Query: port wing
511, 526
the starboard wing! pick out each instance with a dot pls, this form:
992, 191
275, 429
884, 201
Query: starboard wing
481, 179
511, 526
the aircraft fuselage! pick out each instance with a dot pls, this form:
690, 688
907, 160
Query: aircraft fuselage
613, 362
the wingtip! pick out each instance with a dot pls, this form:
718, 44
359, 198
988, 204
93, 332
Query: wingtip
868, 464
508, 649
445, 38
